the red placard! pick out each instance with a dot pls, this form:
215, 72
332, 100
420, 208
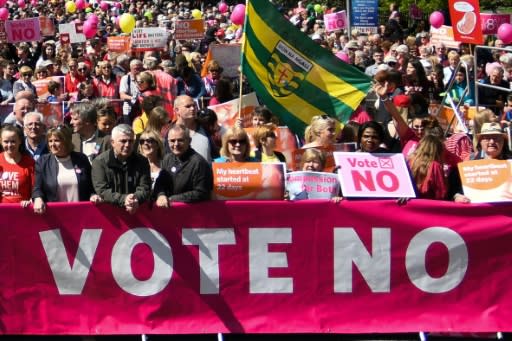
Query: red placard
465, 18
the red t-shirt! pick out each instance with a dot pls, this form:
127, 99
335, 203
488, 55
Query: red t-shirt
16, 180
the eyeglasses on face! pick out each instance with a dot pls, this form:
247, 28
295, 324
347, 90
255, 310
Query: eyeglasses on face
82, 69
234, 142
149, 140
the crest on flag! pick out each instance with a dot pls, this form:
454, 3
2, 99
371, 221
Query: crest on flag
286, 70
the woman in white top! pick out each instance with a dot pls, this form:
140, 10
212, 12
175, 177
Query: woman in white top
62, 175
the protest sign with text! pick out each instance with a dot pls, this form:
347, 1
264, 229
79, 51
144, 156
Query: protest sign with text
465, 16
23, 30
312, 185
42, 85
74, 35
486, 180
227, 112
248, 181
189, 29
491, 21
443, 35
335, 21
148, 38
118, 43
374, 175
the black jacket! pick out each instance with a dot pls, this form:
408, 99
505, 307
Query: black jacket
113, 180
47, 168
186, 179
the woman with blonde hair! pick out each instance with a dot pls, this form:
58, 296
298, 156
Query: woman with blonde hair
321, 132
265, 141
235, 146
214, 74
151, 147
426, 164
313, 160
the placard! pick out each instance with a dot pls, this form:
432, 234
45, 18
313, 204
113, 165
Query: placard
364, 15
312, 185
227, 113
23, 30
335, 21
465, 16
486, 180
42, 85
378, 175
189, 29
71, 30
148, 38
248, 181
491, 21
228, 56
443, 34
118, 43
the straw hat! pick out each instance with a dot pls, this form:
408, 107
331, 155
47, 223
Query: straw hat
491, 128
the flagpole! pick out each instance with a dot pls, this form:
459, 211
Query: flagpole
241, 79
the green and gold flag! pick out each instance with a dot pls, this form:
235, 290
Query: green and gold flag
295, 77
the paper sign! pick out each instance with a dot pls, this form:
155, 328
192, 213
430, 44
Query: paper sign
189, 29
365, 15
74, 36
227, 113
486, 180
443, 34
65, 39
248, 181
374, 175
42, 85
312, 185
149, 38
228, 56
47, 26
491, 22
118, 43
465, 16
335, 21
23, 30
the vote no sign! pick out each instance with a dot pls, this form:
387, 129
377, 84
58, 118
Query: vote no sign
374, 175
23, 30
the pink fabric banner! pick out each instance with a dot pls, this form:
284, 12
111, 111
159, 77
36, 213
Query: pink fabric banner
257, 267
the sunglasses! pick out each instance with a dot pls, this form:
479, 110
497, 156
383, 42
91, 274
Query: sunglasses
140, 82
27, 74
149, 140
106, 67
82, 70
234, 142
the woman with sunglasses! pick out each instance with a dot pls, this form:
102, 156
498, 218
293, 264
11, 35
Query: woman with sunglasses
62, 175
17, 168
265, 141
106, 82
235, 146
151, 147
25, 81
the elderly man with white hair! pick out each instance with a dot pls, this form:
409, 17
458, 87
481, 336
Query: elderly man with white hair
35, 134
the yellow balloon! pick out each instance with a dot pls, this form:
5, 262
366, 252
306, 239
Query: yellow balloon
70, 7
127, 23
196, 14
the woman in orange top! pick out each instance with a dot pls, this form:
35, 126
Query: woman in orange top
16, 168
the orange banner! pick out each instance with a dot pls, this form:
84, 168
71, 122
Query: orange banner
118, 43
189, 29
248, 181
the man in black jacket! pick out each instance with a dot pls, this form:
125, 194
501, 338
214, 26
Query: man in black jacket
120, 176
186, 176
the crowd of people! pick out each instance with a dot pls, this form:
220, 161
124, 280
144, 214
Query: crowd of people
159, 144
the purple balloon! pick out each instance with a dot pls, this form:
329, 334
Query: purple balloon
505, 33
238, 15
4, 13
436, 19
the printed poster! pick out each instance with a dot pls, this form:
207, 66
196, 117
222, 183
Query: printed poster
335, 21
227, 113
189, 29
465, 18
443, 34
75, 35
248, 181
491, 21
379, 175
486, 180
148, 38
23, 30
312, 185
118, 43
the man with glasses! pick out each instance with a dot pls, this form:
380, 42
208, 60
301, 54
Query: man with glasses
185, 113
378, 58
35, 134
120, 176
186, 176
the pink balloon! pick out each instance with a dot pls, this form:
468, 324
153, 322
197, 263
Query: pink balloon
21, 4
104, 6
4, 13
505, 33
34, 3
436, 19
2, 3
119, 5
343, 56
89, 29
238, 15
223, 7
93, 18
80, 4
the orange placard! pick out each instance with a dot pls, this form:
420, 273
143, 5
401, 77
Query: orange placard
285, 143
118, 43
443, 34
42, 85
486, 180
227, 112
248, 181
189, 29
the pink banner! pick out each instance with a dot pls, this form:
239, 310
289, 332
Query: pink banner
491, 21
257, 267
